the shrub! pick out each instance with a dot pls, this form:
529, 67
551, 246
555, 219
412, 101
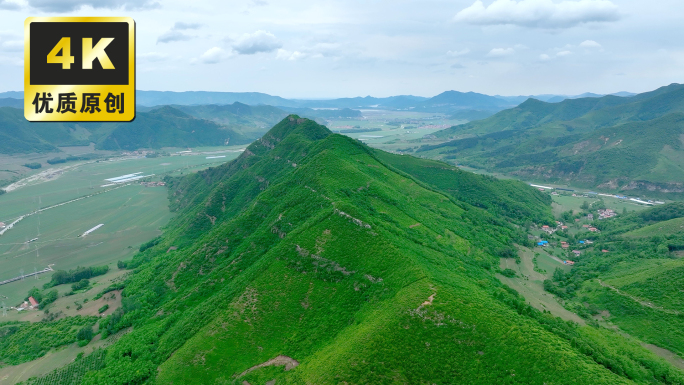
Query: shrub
33, 165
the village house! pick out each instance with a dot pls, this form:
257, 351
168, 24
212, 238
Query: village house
33, 302
568, 262
604, 251
606, 213
564, 227
593, 229
565, 245
577, 252
2, 224
590, 217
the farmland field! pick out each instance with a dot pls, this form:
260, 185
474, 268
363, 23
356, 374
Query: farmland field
393, 130
529, 283
132, 214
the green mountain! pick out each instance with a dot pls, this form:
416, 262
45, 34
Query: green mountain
455, 100
620, 144
18, 136
250, 121
162, 127
11, 102
166, 127
345, 264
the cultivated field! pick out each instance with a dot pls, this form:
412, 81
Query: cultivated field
529, 283
131, 214
392, 130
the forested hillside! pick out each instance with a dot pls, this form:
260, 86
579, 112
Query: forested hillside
161, 127
344, 264
614, 143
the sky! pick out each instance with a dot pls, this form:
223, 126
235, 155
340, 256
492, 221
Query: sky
347, 48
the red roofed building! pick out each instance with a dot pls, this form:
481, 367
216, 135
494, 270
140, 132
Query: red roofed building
33, 301
577, 252
604, 250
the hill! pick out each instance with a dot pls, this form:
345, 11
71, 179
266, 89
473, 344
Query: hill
250, 121
17, 135
347, 265
162, 127
455, 100
11, 102
615, 143
166, 127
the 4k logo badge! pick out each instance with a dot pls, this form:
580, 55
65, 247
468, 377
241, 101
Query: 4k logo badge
79, 69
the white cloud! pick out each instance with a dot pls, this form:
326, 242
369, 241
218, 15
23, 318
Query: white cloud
73, 5
175, 34
259, 41
212, 56
544, 57
590, 44
564, 53
501, 52
171, 36
9, 6
12, 45
539, 13
290, 55
183, 26
458, 53
152, 56
319, 50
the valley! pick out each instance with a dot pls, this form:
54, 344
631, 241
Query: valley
276, 236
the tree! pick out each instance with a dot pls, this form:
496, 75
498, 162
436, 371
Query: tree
36, 294
85, 333
585, 206
558, 275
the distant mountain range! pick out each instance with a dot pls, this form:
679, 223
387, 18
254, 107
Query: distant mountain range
449, 101
611, 142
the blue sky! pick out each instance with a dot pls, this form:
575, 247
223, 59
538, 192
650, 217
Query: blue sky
330, 48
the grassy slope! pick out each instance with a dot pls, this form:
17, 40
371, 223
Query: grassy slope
310, 246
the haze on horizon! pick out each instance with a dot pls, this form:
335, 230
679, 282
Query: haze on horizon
334, 48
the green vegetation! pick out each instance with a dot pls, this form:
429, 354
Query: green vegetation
79, 274
350, 265
611, 142
637, 280
25, 341
161, 127
72, 373
33, 165
82, 284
